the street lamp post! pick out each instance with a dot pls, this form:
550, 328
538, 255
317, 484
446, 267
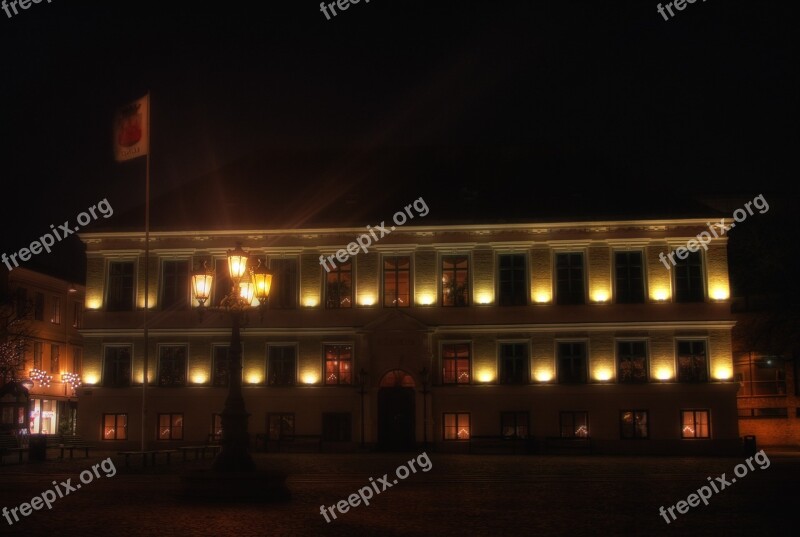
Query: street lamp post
235, 454
425, 377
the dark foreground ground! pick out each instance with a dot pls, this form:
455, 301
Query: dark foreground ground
461, 495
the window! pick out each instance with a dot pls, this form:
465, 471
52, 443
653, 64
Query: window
574, 424
280, 426
760, 375
695, 424
514, 425
513, 284
284, 283
633, 423
77, 360
222, 281
55, 316
338, 364
55, 358
170, 426
282, 368
21, 302
571, 363
117, 367
397, 281
115, 426
37, 354
629, 277
456, 426
770, 412
692, 363
336, 427
513, 363
569, 279
339, 287
120, 286
175, 290
455, 363
220, 371
689, 278
455, 280
216, 427
172, 365
38, 307
77, 315
631, 361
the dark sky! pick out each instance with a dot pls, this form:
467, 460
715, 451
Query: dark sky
491, 108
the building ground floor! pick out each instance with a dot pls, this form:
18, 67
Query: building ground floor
646, 419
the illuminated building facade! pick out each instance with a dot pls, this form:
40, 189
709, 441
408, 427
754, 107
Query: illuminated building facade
54, 356
550, 333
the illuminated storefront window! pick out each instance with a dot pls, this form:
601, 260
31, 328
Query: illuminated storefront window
44, 416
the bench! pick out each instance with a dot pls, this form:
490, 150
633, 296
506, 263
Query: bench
71, 443
557, 443
200, 451
144, 454
9, 444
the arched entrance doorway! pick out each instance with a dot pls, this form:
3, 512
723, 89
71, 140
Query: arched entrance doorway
396, 411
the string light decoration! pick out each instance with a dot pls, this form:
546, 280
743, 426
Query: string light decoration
73, 379
41, 377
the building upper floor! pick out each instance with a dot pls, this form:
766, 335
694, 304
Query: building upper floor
654, 270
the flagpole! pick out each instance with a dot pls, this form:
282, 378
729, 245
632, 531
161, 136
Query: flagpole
146, 278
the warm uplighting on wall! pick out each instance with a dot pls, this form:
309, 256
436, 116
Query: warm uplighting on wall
663, 373
723, 373
720, 293
310, 378
600, 296
602, 374
484, 297
544, 375
542, 297
485, 375
91, 378
310, 301
199, 377
93, 303
659, 294
366, 300
254, 377
425, 299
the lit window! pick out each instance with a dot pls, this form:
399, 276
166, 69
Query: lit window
574, 424
456, 426
338, 364
455, 363
115, 426
55, 358
397, 282
455, 280
633, 424
695, 424
339, 287
170, 426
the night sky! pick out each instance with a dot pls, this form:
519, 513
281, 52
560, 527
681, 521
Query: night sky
490, 110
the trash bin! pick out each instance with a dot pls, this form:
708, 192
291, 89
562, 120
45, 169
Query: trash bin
749, 443
37, 448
